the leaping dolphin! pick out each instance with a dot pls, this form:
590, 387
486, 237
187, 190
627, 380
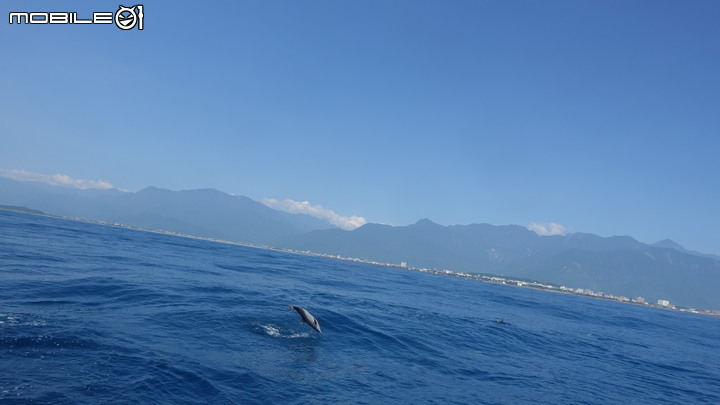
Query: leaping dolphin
307, 317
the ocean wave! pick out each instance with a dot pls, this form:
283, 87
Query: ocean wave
93, 314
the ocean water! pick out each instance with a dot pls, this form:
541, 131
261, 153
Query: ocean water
91, 314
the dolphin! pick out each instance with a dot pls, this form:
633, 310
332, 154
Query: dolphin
307, 317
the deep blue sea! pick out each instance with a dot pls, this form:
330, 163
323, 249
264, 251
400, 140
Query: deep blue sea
92, 314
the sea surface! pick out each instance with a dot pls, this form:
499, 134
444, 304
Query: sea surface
93, 314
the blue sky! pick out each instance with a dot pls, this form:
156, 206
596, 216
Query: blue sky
601, 116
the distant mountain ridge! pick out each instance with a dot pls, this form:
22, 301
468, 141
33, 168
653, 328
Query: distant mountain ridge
618, 265
205, 212
667, 243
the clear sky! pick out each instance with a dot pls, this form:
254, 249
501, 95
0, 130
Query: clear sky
600, 116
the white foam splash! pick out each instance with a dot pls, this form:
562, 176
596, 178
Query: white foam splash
271, 330
275, 332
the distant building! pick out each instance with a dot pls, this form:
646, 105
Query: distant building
640, 300
403, 264
664, 303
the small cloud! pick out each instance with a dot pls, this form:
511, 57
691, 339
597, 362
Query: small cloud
548, 229
317, 211
62, 180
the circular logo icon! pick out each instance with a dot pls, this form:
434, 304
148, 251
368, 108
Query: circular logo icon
126, 18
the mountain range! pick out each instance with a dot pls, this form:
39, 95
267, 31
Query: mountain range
206, 212
618, 265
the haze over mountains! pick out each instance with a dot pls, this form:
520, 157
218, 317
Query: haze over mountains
617, 265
